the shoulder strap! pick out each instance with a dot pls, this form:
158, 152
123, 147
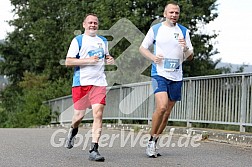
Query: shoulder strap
79, 40
103, 38
156, 27
155, 30
183, 29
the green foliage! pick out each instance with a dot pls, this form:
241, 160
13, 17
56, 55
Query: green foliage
3, 117
26, 109
43, 31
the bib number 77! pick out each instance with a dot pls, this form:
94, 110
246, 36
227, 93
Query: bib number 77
171, 64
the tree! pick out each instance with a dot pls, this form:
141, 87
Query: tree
26, 108
143, 13
43, 31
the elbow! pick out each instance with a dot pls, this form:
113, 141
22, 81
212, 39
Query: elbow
190, 58
67, 63
141, 49
188, 55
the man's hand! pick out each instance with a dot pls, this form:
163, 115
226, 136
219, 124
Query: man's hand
110, 60
182, 43
158, 59
92, 60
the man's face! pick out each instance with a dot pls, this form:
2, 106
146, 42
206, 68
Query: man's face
90, 25
171, 13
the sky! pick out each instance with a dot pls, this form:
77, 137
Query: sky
232, 24
235, 31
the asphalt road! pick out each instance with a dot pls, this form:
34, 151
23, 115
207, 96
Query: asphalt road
44, 147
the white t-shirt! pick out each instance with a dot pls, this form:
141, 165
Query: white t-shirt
89, 74
167, 45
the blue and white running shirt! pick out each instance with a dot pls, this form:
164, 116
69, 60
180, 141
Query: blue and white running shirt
89, 74
166, 44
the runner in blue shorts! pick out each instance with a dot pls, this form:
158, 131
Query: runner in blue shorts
172, 46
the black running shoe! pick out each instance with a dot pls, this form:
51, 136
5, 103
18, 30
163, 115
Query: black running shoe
71, 137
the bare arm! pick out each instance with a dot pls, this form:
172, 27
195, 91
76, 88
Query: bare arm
188, 54
146, 53
190, 57
71, 62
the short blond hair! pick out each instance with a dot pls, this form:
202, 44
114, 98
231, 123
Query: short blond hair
90, 14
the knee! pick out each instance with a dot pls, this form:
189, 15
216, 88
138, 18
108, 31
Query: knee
161, 110
167, 114
78, 116
98, 115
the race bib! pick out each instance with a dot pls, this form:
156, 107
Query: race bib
171, 64
97, 52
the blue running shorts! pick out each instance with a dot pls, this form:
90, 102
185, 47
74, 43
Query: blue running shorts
173, 88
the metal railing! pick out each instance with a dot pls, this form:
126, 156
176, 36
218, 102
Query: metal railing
217, 99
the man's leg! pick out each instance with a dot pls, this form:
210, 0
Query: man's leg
97, 123
76, 120
80, 100
165, 117
157, 118
161, 108
174, 93
98, 100
164, 122
96, 132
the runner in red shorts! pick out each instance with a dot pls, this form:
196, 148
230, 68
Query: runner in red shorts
88, 53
